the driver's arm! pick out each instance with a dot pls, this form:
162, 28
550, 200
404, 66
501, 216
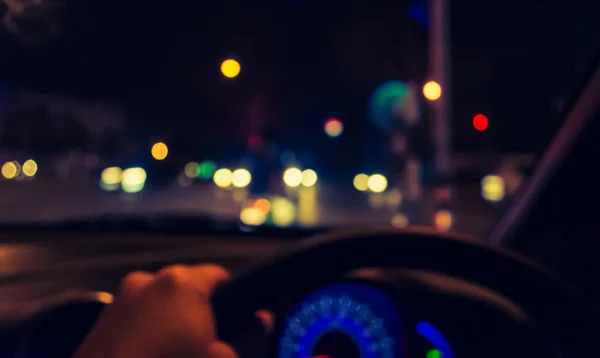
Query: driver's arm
167, 314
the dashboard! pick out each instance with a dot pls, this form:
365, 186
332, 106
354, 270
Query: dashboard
387, 314
369, 314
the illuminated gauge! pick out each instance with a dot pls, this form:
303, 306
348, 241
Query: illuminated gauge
435, 345
343, 321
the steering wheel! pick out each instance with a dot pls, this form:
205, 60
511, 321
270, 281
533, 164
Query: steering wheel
568, 318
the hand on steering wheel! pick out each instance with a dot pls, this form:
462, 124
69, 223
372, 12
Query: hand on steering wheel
167, 314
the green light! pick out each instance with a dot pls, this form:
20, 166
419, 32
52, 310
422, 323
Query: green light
434, 353
206, 170
386, 100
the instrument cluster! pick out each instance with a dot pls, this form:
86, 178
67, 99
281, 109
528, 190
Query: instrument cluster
356, 320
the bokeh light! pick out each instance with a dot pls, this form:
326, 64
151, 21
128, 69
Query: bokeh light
133, 180
361, 182
241, 178
223, 178
29, 168
253, 216
9, 170
432, 91
292, 177
110, 178
334, 127
480, 122
309, 178
393, 198
261, 204
159, 151
434, 353
377, 183
283, 212
230, 68
191, 170
443, 220
386, 101
376, 200
493, 188
399, 220
206, 169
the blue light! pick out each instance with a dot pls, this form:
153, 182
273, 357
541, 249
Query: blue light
418, 12
361, 312
435, 337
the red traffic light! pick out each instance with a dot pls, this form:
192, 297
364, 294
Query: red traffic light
480, 122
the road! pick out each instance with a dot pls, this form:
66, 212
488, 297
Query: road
324, 205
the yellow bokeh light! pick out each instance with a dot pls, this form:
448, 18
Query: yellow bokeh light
377, 183
283, 212
159, 151
30, 167
241, 178
133, 180
223, 178
432, 90
309, 178
230, 68
253, 216
361, 182
9, 170
111, 176
493, 188
134, 176
292, 177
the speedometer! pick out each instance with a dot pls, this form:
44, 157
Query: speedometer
343, 321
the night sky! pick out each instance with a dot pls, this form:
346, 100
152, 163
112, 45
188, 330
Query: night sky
305, 61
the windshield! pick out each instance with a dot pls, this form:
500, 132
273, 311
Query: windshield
282, 112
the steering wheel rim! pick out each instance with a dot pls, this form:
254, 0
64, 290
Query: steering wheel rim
569, 315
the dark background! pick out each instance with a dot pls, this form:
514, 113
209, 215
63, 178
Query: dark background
302, 62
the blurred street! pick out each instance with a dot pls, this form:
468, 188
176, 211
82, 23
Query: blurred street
322, 205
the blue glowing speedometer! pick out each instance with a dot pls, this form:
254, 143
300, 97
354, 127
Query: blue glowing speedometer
343, 321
